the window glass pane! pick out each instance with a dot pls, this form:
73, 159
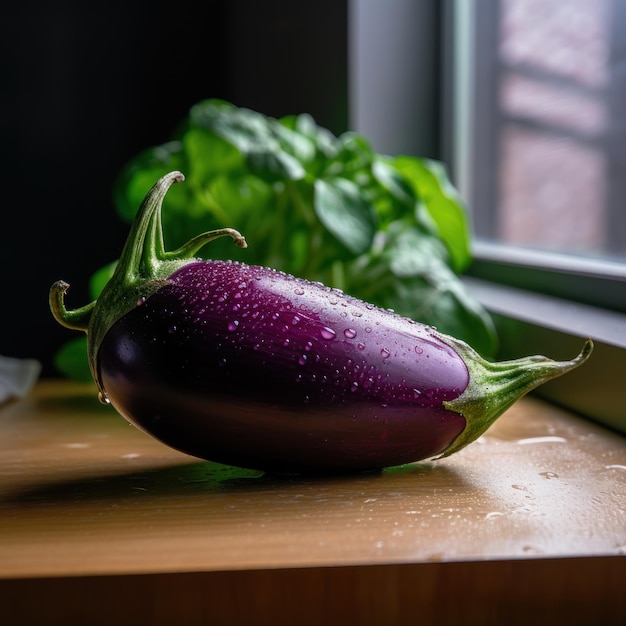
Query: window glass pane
547, 138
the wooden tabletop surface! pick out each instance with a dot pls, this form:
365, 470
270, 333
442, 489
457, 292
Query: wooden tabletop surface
82, 493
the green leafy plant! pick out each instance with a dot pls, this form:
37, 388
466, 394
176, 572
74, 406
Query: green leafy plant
389, 230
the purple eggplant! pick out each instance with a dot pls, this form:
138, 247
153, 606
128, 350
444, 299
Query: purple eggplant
252, 367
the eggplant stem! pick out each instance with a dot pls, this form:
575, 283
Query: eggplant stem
143, 267
144, 246
505, 380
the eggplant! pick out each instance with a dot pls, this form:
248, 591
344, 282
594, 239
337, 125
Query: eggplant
252, 367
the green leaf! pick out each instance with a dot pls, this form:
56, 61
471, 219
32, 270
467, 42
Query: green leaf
209, 155
343, 211
414, 254
443, 203
323, 140
274, 166
260, 139
394, 182
100, 279
353, 158
71, 360
240, 195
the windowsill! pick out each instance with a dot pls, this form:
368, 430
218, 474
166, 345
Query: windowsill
85, 496
595, 282
572, 318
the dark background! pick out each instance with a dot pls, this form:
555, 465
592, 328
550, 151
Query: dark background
84, 87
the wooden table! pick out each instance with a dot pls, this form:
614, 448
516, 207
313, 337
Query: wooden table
99, 523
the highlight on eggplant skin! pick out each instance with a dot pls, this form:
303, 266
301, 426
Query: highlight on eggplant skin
252, 367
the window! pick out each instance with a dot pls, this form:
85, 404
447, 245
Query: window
549, 103
539, 146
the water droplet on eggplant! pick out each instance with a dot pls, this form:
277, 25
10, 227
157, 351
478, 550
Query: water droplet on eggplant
327, 333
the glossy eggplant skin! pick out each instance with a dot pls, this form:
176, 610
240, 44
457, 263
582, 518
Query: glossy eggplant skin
249, 366
252, 367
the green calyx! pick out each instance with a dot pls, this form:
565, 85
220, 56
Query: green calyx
143, 267
494, 387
